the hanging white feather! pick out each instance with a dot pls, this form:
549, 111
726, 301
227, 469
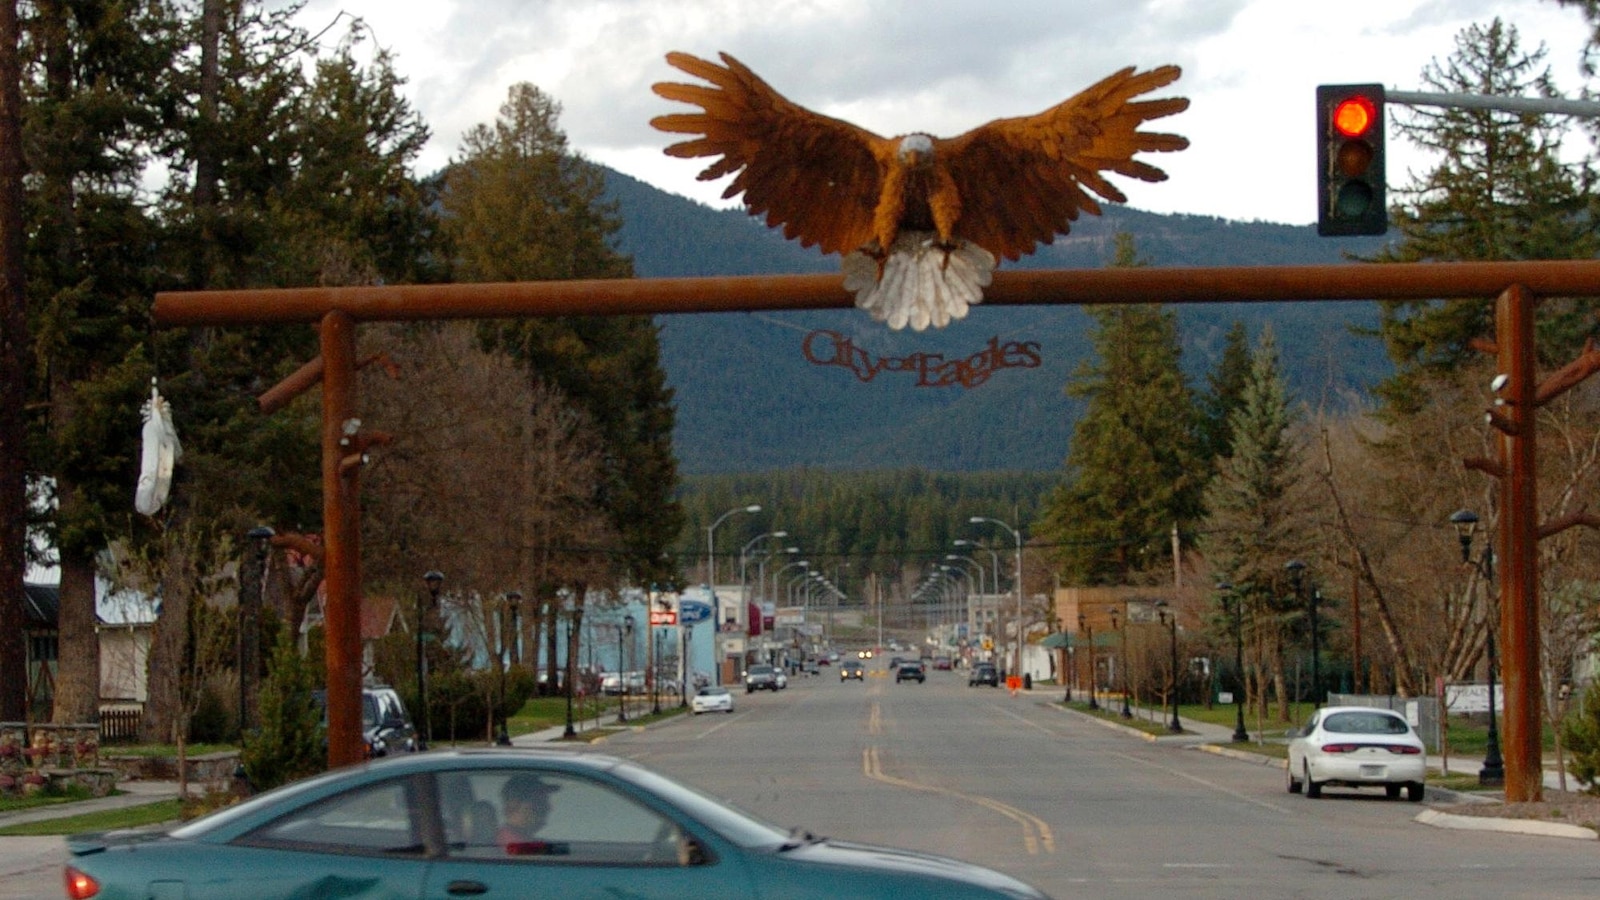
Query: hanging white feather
158, 457
921, 283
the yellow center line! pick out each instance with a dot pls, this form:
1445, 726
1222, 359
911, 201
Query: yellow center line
1035, 831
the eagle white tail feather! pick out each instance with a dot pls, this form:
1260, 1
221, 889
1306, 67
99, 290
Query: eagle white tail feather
921, 285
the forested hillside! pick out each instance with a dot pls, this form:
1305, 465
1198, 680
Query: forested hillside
748, 399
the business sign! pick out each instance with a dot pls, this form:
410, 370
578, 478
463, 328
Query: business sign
663, 617
693, 612
1472, 698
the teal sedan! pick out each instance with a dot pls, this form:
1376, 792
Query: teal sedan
508, 823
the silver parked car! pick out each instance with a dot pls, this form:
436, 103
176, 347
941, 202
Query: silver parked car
1357, 746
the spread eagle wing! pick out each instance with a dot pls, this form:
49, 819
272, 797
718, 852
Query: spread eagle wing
1022, 181
816, 176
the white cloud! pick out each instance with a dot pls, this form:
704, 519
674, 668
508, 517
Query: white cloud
1250, 68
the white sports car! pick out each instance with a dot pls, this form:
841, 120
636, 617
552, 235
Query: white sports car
711, 699
1357, 746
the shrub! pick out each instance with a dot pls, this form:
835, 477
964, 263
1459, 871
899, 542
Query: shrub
290, 743
1580, 732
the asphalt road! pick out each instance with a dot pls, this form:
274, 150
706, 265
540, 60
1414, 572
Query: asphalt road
1074, 807
1058, 799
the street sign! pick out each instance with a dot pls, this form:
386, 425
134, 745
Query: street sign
694, 612
663, 617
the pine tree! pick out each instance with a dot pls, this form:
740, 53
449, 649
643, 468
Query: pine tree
14, 369
1254, 524
520, 205
1224, 394
91, 259
291, 742
1499, 192
1133, 468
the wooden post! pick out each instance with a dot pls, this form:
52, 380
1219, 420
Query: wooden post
341, 516
1519, 528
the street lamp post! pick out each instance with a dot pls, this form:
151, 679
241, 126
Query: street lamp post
514, 604
977, 591
1169, 618
433, 578
711, 586
1127, 710
569, 606
1234, 604
993, 557
249, 622
626, 662
683, 695
1017, 535
744, 554
1083, 626
653, 678
1493, 773
1296, 570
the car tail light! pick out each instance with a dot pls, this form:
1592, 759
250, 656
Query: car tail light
1340, 748
1405, 750
80, 886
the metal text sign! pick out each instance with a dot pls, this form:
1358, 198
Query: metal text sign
830, 348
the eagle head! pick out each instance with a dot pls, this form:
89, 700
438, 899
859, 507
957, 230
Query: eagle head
916, 150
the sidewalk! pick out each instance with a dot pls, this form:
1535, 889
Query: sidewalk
134, 793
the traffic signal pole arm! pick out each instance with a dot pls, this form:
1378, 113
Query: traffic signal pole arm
1554, 106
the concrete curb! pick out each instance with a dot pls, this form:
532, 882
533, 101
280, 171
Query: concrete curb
1241, 755
1533, 827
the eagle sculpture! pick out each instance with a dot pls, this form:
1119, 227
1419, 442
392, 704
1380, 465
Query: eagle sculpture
920, 220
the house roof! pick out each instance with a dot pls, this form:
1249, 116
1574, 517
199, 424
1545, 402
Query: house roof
377, 617
378, 614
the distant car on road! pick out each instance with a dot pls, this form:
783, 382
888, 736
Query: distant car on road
711, 699
852, 668
760, 678
456, 823
910, 671
1357, 746
942, 663
983, 673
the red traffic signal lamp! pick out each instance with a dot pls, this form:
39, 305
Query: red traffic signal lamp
1350, 160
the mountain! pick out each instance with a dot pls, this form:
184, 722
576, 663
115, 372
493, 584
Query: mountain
750, 400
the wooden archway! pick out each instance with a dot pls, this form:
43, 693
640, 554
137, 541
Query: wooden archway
1516, 285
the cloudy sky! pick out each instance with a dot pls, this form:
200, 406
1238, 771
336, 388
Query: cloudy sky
944, 66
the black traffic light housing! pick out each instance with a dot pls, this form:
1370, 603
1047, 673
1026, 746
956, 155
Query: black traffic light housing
1350, 160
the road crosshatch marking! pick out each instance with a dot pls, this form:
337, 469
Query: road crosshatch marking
1036, 833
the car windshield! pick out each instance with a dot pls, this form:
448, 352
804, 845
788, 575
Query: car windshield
761, 670
712, 691
1365, 723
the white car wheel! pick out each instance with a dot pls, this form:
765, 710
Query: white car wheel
1313, 788
1294, 783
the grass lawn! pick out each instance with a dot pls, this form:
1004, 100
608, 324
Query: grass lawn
540, 713
128, 817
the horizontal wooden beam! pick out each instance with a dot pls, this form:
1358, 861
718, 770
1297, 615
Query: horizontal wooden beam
1012, 287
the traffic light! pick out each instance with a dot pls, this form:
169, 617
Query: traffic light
1350, 177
